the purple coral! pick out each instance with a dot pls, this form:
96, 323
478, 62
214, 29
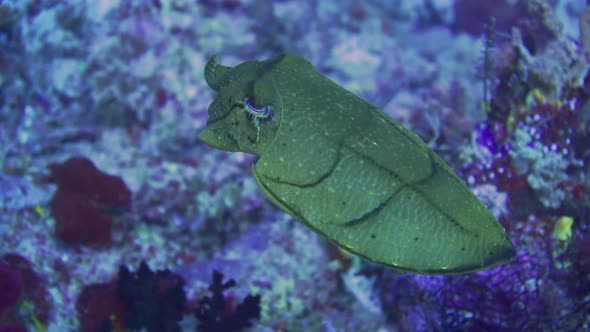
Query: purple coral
517, 297
509, 297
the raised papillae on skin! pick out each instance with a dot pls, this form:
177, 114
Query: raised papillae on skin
346, 170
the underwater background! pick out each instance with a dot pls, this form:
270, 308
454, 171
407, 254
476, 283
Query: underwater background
114, 216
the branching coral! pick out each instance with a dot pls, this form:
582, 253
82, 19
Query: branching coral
526, 295
512, 297
155, 300
216, 313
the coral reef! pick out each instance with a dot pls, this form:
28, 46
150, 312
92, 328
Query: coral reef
505, 101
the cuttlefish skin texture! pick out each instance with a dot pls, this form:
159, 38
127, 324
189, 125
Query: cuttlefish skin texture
346, 170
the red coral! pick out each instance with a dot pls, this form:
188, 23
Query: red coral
142, 300
14, 327
11, 285
19, 280
99, 305
78, 175
83, 197
79, 221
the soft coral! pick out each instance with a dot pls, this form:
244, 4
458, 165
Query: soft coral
99, 305
78, 175
19, 282
84, 197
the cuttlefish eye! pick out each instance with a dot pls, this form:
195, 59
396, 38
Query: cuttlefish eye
257, 112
